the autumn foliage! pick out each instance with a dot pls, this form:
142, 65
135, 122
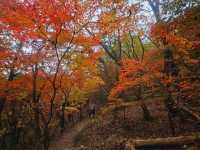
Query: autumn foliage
56, 54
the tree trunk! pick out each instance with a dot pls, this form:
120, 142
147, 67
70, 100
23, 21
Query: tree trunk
124, 113
62, 115
37, 121
13, 131
62, 119
169, 104
80, 113
170, 141
35, 100
46, 139
2, 103
146, 114
170, 69
3, 99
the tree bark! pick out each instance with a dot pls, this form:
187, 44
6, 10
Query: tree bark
3, 99
62, 118
2, 104
170, 141
169, 105
35, 99
170, 69
46, 138
146, 114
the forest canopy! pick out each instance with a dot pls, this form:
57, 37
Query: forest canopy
59, 56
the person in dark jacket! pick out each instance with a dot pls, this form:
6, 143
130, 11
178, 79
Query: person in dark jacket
92, 110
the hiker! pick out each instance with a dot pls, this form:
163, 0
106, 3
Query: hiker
92, 110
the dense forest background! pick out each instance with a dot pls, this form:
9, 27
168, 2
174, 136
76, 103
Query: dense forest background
137, 62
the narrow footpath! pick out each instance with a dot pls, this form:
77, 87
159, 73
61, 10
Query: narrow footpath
66, 141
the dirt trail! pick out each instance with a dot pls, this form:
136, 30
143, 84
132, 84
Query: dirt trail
65, 142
